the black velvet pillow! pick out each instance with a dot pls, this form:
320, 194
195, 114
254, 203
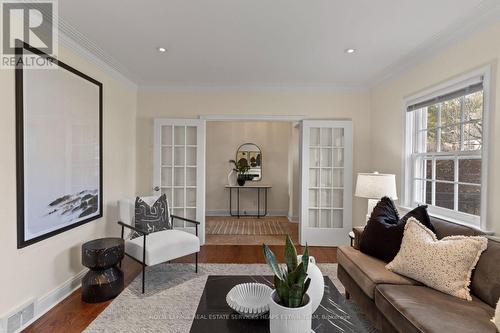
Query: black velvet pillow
420, 213
384, 231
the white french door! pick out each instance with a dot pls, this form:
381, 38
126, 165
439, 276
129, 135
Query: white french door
179, 169
326, 178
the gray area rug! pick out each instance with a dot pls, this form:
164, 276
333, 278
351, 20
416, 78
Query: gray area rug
172, 295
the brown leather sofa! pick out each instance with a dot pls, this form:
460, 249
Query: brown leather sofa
395, 303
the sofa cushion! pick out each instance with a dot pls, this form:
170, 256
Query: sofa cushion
486, 277
365, 304
163, 246
368, 271
422, 309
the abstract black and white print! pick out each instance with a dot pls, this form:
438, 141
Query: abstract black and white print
60, 156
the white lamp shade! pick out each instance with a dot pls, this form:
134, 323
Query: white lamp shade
376, 185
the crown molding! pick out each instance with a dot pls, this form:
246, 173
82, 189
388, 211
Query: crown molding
263, 88
253, 117
71, 38
486, 13
95, 60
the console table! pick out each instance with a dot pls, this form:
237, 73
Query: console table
258, 188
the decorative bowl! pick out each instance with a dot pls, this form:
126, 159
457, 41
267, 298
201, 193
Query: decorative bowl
249, 299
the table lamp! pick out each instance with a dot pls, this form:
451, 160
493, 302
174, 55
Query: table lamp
374, 186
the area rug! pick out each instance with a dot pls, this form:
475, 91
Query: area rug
172, 295
245, 227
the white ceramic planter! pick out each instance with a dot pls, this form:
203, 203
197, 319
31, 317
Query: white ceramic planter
289, 320
317, 286
231, 178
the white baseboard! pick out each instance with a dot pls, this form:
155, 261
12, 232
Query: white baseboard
225, 212
44, 303
48, 301
294, 219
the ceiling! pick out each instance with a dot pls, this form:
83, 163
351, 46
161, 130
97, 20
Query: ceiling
253, 43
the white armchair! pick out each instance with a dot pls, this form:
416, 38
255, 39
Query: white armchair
158, 247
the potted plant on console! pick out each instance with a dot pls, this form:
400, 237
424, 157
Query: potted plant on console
241, 169
290, 308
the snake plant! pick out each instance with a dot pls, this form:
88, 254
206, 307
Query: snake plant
291, 282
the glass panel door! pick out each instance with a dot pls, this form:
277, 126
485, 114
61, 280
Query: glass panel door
326, 182
179, 168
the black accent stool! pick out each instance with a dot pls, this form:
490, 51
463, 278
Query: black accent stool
104, 280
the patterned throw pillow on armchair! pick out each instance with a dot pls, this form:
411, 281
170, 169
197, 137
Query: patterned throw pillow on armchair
152, 217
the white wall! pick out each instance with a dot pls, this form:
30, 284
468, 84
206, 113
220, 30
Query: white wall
39, 269
223, 139
387, 102
314, 104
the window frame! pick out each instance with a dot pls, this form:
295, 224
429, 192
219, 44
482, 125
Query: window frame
409, 127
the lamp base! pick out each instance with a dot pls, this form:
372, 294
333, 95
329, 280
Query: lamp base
371, 204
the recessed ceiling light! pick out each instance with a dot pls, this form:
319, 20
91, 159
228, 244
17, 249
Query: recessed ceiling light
350, 51
161, 49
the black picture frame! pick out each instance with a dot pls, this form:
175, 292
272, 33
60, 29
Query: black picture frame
21, 47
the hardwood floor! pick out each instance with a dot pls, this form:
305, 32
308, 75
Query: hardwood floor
234, 235
73, 315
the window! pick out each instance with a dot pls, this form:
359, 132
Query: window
445, 151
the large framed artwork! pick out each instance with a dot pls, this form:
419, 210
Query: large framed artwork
58, 147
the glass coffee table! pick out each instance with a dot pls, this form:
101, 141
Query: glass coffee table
213, 315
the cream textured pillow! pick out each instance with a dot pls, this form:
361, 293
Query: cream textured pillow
445, 265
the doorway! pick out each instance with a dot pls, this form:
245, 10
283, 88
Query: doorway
314, 204
261, 211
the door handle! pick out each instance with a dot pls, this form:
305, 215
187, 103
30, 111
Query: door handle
156, 188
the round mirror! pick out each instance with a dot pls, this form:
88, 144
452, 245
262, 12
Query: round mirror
250, 154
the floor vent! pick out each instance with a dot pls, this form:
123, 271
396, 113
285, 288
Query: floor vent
28, 313
16, 321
